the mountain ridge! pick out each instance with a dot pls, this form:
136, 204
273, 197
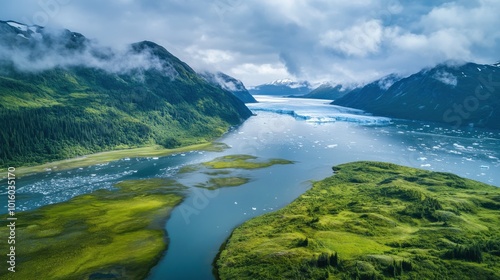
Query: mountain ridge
230, 84
282, 87
458, 94
80, 98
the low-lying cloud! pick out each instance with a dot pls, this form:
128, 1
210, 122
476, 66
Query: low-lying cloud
318, 40
56, 49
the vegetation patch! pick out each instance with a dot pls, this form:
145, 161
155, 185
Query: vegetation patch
221, 182
226, 171
104, 235
391, 222
243, 162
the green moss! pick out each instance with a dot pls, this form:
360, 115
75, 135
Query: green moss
373, 221
118, 234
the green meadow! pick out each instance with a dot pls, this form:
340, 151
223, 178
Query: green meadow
115, 234
373, 221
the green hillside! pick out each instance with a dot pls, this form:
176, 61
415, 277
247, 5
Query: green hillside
73, 110
373, 221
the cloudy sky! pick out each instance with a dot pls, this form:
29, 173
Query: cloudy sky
259, 41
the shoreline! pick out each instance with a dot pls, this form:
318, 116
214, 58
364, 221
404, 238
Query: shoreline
108, 156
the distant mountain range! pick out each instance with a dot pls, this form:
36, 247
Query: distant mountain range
62, 95
284, 87
457, 94
230, 84
328, 91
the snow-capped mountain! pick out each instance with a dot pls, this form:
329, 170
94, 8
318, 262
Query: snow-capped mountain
458, 94
230, 84
282, 87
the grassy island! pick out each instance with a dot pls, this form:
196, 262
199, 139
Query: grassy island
104, 235
229, 165
373, 221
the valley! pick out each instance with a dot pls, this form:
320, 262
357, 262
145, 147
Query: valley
314, 141
244, 140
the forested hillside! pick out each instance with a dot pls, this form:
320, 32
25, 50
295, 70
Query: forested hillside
82, 99
458, 94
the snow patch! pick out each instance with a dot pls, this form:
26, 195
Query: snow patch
446, 78
19, 26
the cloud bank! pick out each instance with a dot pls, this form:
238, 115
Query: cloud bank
317, 40
35, 49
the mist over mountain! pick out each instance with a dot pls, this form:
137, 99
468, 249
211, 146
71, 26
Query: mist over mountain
230, 84
459, 94
62, 95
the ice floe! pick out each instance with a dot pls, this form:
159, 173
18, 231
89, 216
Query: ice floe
315, 111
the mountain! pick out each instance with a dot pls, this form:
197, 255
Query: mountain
364, 96
62, 95
282, 87
230, 84
328, 91
457, 94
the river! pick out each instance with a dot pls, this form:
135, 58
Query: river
310, 132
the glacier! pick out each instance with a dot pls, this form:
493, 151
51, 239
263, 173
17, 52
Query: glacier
315, 111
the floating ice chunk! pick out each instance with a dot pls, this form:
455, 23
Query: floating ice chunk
485, 167
459, 147
422, 158
331, 146
235, 202
253, 208
425, 165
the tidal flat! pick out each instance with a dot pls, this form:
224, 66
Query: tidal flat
105, 157
116, 234
373, 220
